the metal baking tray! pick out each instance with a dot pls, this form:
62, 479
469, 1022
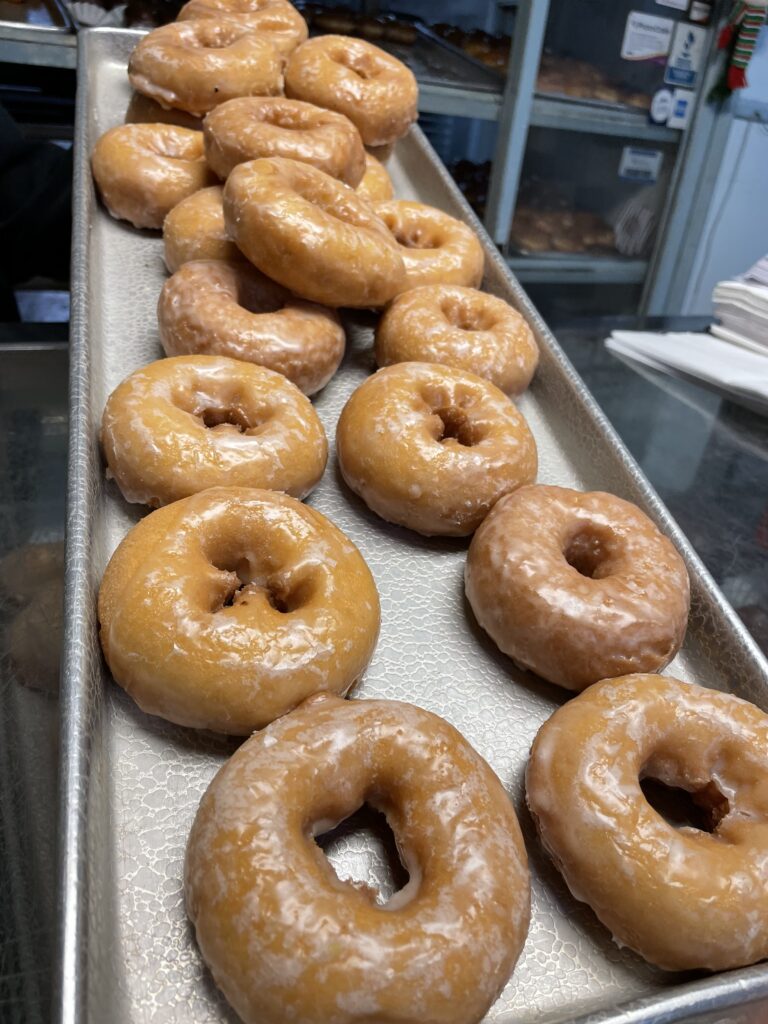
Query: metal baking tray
33, 19
131, 783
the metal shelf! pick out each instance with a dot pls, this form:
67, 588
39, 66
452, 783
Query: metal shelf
598, 119
577, 269
438, 98
40, 47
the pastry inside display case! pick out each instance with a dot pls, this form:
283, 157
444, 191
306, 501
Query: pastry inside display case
541, 229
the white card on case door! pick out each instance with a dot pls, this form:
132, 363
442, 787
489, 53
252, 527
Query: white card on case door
646, 36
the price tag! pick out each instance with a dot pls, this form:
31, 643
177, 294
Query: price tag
640, 164
686, 56
646, 36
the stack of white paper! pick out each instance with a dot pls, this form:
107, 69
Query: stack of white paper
742, 309
726, 368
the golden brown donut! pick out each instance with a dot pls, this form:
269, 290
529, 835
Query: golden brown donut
180, 425
225, 610
459, 327
432, 448
436, 248
248, 128
311, 233
679, 896
195, 65
230, 309
143, 170
286, 939
375, 90
195, 230
577, 586
277, 21
376, 184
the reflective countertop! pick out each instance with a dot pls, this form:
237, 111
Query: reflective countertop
707, 458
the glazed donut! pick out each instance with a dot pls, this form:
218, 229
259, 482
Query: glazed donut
577, 586
225, 610
195, 65
286, 939
375, 90
277, 21
143, 170
376, 184
195, 230
436, 248
180, 425
230, 309
248, 128
312, 234
459, 327
432, 448
678, 896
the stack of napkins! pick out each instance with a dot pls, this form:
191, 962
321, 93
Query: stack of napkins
729, 369
732, 360
741, 306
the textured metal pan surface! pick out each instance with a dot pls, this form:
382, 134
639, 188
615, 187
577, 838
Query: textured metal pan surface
132, 783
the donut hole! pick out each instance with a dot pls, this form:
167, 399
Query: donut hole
590, 551
214, 417
259, 295
246, 586
411, 236
210, 34
458, 427
364, 65
466, 316
362, 851
701, 809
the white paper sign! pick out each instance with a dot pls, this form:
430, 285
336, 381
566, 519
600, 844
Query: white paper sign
646, 36
640, 164
682, 105
686, 56
680, 5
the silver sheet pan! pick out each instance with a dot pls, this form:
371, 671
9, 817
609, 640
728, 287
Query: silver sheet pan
131, 783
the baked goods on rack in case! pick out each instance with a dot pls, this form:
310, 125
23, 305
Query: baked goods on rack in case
460, 327
576, 586
225, 610
432, 448
286, 939
231, 309
179, 426
560, 230
682, 897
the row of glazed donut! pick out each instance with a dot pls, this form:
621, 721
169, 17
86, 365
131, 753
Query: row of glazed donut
285, 939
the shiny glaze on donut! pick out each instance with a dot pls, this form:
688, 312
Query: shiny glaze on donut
679, 896
180, 425
252, 127
376, 184
231, 309
432, 448
195, 230
311, 233
225, 610
195, 65
459, 327
276, 20
375, 90
286, 939
436, 248
577, 586
143, 170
